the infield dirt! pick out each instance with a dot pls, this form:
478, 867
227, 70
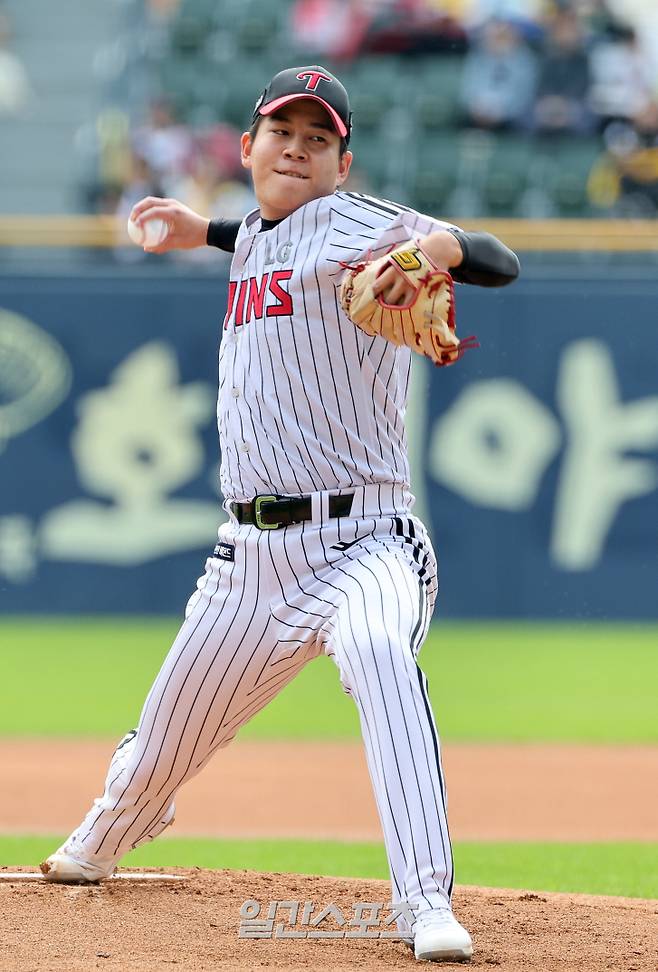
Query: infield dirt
302, 789
193, 925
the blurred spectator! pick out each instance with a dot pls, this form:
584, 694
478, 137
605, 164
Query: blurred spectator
524, 14
595, 16
215, 184
621, 74
563, 85
153, 23
143, 182
162, 10
332, 29
643, 16
341, 29
221, 142
413, 27
499, 78
105, 148
14, 84
163, 143
543, 66
457, 9
624, 181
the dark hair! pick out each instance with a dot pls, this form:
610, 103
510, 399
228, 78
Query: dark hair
256, 125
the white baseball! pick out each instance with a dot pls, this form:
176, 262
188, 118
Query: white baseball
152, 233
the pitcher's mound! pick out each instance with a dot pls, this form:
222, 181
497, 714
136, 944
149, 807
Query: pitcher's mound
194, 924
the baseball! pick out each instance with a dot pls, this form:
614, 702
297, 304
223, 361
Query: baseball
152, 233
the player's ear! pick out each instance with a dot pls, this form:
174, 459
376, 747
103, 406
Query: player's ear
246, 142
344, 164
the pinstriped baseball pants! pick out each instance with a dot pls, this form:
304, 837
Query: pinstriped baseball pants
360, 590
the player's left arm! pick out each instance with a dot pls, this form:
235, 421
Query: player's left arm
486, 261
406, 295
473, 258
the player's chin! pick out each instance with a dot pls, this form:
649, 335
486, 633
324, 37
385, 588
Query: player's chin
292, 193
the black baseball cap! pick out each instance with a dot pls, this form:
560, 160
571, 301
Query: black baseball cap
313, 82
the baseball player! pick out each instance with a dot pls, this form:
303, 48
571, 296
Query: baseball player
321, 553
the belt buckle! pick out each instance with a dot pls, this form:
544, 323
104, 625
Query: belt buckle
258, 502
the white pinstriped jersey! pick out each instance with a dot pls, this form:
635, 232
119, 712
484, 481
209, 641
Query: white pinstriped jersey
307, 401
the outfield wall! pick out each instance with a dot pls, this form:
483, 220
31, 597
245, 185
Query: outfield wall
534, 458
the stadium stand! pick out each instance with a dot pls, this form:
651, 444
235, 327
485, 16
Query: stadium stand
57, 44
414, 136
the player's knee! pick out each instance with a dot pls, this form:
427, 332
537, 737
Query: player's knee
379, 651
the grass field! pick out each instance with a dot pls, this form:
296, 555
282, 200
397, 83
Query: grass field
628, 869
488, 682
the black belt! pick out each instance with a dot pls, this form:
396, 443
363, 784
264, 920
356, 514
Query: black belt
270, 512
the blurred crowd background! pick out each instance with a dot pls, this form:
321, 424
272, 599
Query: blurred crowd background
463, 108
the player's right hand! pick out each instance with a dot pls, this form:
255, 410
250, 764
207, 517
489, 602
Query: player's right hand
393, 288
187, 230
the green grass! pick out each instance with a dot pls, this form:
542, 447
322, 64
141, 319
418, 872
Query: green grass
489, 682
629, 869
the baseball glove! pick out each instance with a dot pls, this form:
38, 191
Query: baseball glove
426, 325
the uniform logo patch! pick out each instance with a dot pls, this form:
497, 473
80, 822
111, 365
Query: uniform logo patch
343, 545
224, 551
407, 259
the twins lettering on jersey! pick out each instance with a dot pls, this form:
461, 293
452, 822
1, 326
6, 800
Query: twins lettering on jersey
265, 296
258, 297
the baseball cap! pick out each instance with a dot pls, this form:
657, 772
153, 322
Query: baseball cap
313, 82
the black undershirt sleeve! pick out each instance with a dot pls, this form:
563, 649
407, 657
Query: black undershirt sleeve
487, 262
222, 233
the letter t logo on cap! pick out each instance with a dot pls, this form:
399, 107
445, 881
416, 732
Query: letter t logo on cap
314, 78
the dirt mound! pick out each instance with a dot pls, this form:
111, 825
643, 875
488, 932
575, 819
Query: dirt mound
193, 924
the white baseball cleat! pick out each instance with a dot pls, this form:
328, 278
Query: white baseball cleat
66, 869
438, 937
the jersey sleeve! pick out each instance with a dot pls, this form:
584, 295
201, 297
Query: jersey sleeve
368, 232
408, 226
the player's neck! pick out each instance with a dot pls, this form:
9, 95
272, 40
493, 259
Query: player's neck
268, 224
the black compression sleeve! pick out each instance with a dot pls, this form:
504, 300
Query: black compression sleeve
487, 262
222, 233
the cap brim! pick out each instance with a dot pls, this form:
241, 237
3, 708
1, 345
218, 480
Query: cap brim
338, 122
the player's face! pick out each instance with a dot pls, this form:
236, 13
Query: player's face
294, 157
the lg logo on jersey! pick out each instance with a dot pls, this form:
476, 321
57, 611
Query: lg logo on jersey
255, 298
279, 255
